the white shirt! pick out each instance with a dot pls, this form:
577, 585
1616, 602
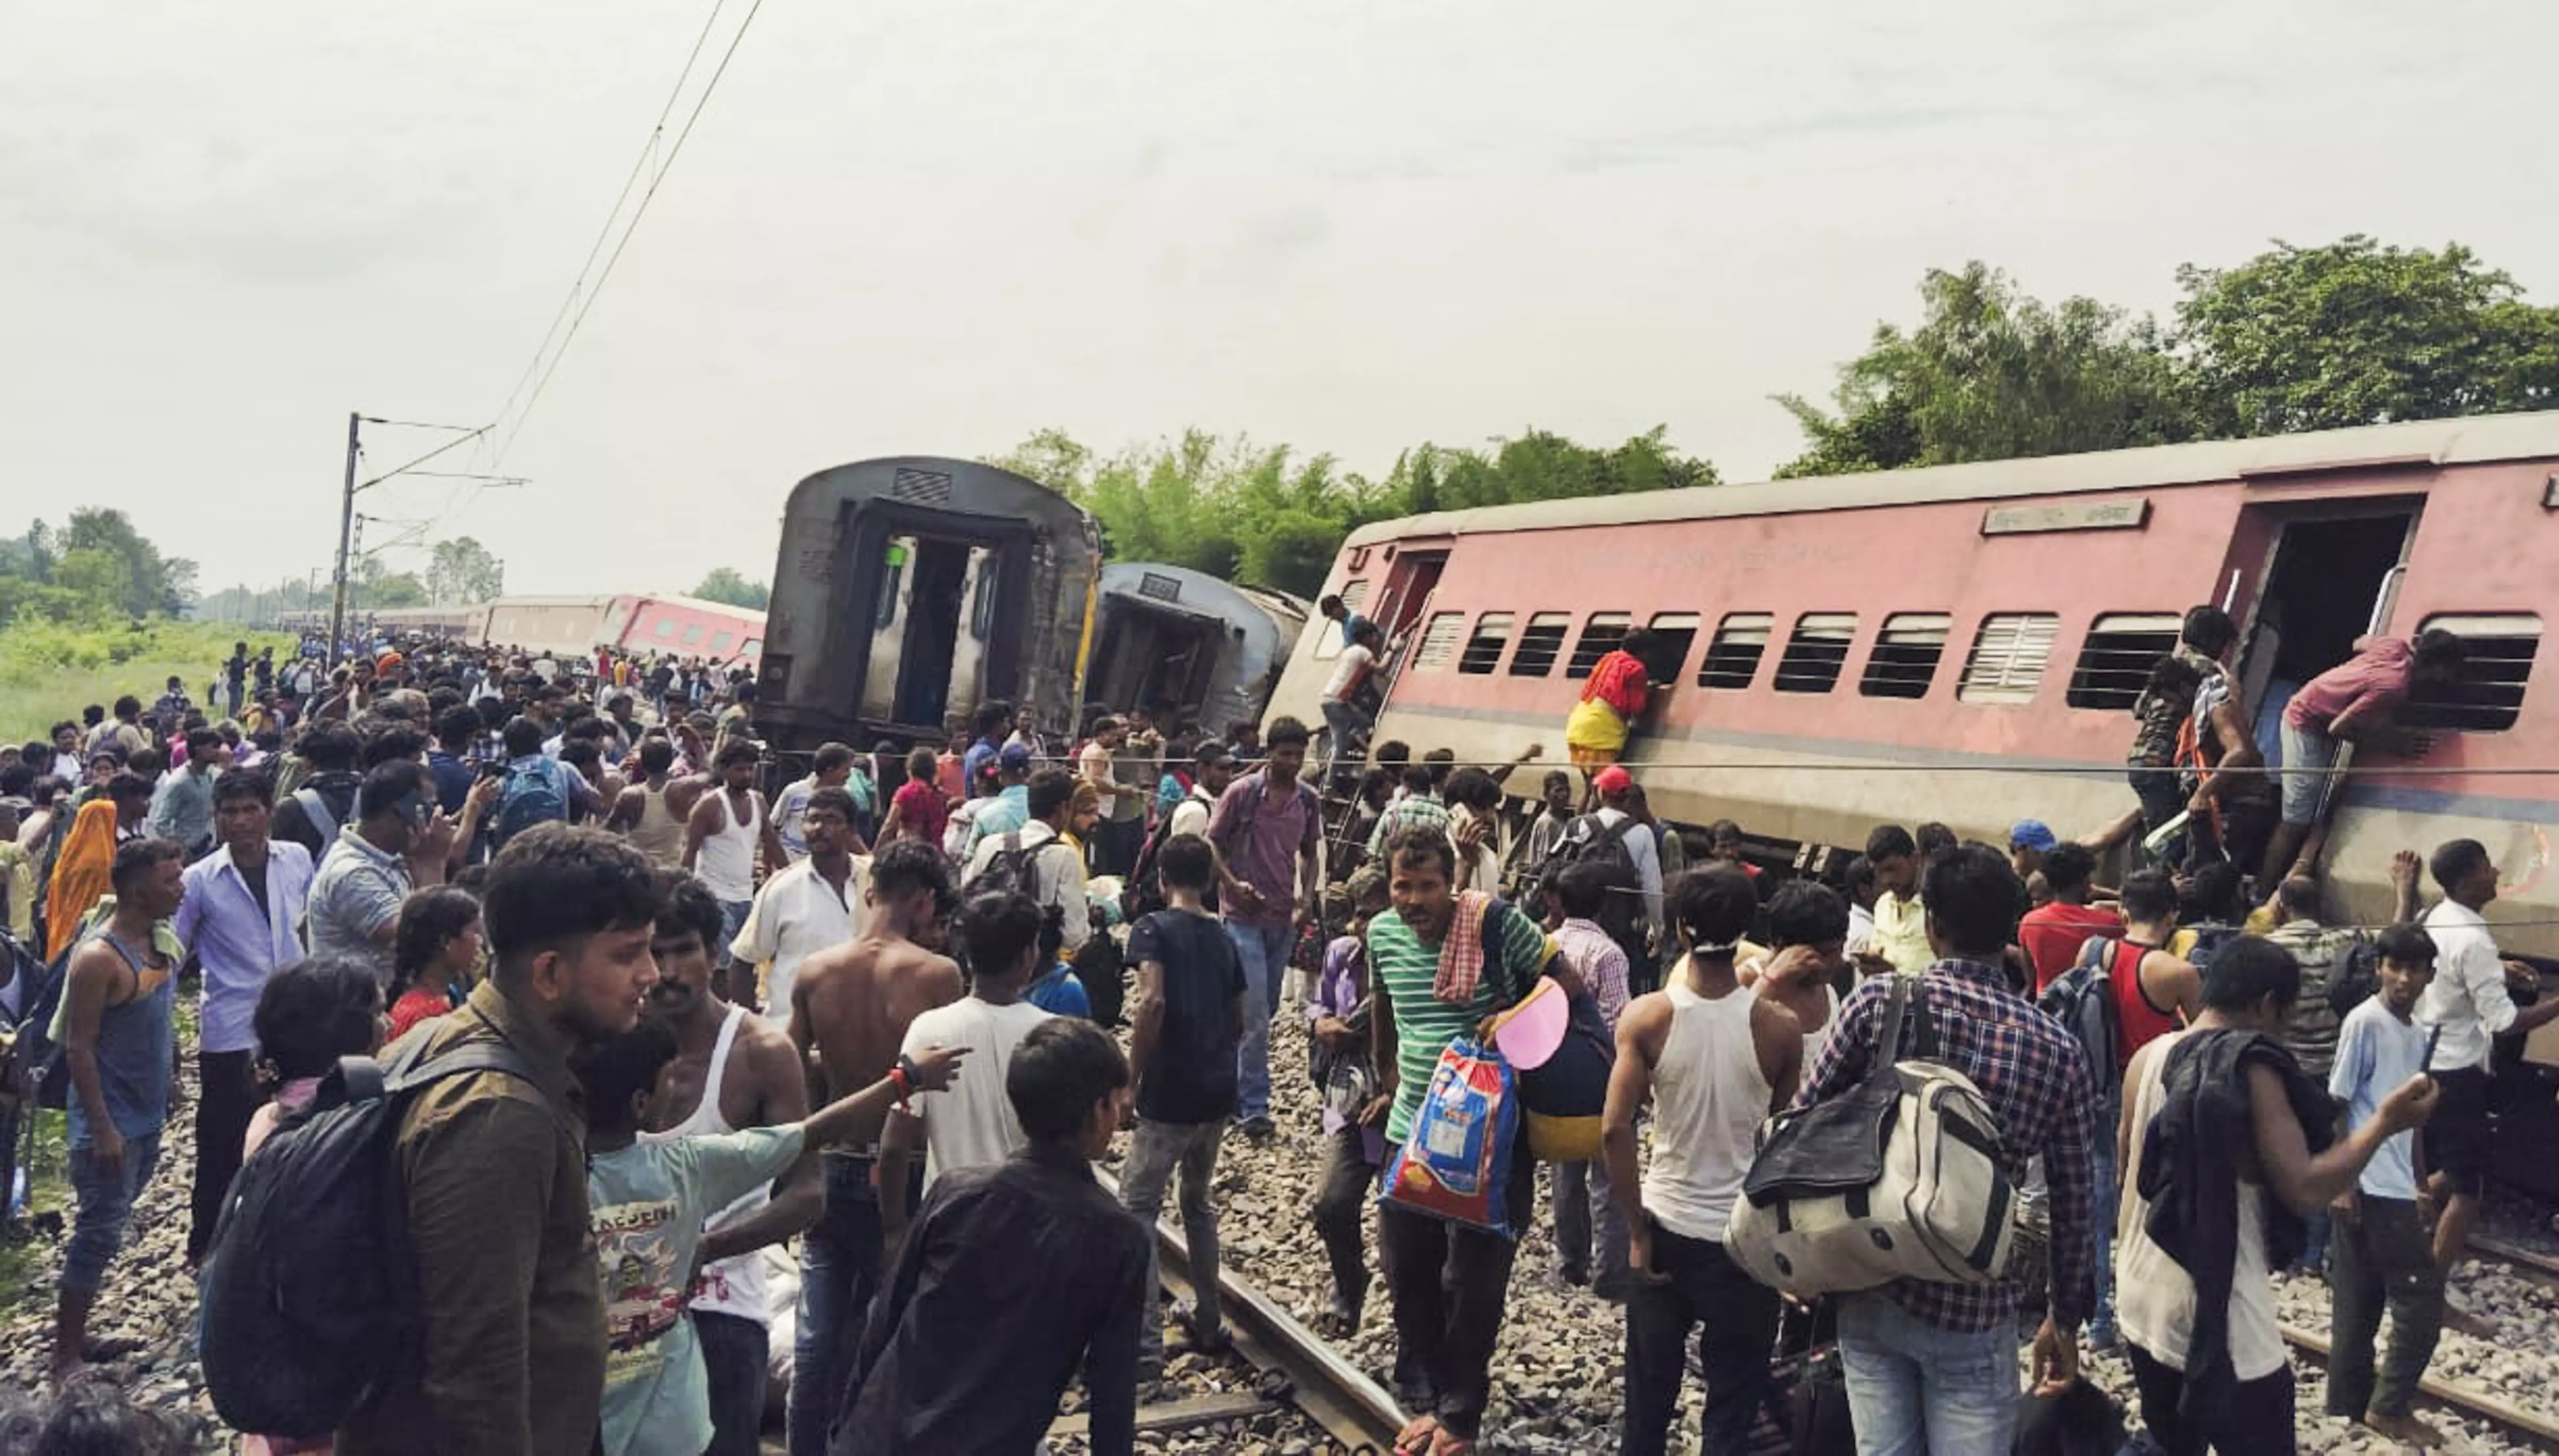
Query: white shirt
971, 1122
2375, 1053
1861, 929
796, 915
1347, 669
1057, 878
1094, 765
2155, 1297
2467, 999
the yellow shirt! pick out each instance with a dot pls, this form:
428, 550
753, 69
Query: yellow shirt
1902, 933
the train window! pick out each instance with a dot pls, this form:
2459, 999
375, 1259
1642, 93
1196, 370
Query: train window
1438, 640
722, 639
1733, 659
1907, 655
1328, 642
1600, 633
1816, 652
754, 648
2007, 658
694, 634
1674, 633
2489, 695
2120, 653
1540, 643
665, 626
1484, 649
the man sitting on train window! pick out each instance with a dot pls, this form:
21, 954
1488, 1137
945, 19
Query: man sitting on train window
2357, 702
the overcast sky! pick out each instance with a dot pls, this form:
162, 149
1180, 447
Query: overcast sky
932, 227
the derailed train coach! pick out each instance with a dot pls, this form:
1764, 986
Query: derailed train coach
1188, 646
909, 590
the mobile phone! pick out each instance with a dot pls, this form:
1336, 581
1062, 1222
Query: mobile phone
2434, 1034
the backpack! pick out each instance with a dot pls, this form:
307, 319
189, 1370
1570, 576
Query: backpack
537, 792
324, 820
2357, 977
1896, 1178
2082, 1000
32, 1064
1585, 838
1013, 869
309, 1299
1139, 895
2208, 940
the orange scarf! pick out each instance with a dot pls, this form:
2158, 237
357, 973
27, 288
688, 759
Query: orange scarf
81, 874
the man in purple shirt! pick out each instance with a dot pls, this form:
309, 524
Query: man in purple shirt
238, 923
1266, 828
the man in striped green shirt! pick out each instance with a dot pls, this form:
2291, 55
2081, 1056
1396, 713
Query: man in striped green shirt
1449, 1280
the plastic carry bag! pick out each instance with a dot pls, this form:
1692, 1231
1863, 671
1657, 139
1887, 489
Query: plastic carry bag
1458, 1159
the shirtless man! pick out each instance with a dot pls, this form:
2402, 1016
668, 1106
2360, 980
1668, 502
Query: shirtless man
732, 1070
850, 1004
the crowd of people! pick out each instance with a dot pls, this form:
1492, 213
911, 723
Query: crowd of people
840, 1057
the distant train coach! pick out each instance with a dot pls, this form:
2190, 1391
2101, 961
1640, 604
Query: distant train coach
1965, 642
912, 589
1186, 644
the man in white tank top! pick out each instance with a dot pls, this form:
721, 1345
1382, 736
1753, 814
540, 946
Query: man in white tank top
732, 1070
722, 837
1714, 1060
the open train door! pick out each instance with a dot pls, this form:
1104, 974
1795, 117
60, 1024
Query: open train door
2308, 578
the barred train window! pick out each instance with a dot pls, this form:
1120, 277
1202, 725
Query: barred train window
1906, 654
2116, 660
2009, 656
1484, 649
1601, 635
1438, 640
1733, 659
1816, 652
2489, 694
1540, 642
1328, 642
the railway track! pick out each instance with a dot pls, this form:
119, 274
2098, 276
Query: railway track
2532, 1428
1297, 1368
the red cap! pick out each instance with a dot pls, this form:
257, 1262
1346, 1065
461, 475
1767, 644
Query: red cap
1613, 780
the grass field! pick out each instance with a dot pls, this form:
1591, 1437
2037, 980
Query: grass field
49, 673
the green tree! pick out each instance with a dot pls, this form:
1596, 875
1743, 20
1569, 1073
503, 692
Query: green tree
463, 571
2355, 333
1991, 374
99, 577
151, 583
725, 584
392, 590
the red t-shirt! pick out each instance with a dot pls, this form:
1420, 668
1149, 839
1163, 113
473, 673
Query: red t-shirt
1621, 681
922, 813
417, 1004
2051, 936
2376, 678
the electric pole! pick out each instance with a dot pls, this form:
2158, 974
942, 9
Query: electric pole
346, 530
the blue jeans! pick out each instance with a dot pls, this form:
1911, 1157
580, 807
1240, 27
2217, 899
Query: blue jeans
2316, 1229
839, 1271
104, 1207
1914, 1388
1265, 953
734, 915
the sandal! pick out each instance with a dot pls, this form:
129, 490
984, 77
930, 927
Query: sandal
1443, 1443
1419, 1436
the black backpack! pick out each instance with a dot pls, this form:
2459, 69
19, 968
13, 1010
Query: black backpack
1013, 868
34, 1067
309, 1299
2082, 1000
2357, 977
1587, 840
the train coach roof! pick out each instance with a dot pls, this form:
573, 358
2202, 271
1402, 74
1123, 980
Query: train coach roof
2468, 440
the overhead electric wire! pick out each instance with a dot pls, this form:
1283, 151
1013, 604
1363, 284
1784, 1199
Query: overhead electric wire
581, 297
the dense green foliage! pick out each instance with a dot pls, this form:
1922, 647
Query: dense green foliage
725, 584
1264, 514
462, 571
2294, 339
94, 568
50, 670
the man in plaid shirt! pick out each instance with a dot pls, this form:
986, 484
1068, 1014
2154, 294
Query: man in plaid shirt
1932, 1367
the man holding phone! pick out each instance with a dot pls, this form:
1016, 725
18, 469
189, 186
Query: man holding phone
401, 842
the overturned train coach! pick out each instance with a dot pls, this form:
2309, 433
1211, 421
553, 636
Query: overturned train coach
910, 589
1965, 642
1187, 645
